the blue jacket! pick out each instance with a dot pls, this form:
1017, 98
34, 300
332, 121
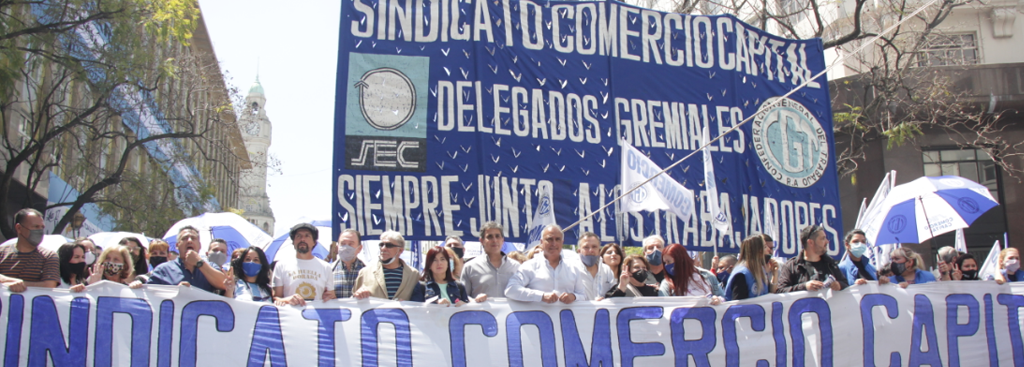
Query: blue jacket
920, 277
430, 289
1016, 277
749, 278
849, 269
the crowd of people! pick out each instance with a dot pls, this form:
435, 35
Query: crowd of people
543, 274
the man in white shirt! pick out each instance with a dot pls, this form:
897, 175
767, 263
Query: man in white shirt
303, 278
547, 278
488, 275
597, 277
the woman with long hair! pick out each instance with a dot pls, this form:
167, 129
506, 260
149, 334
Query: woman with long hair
72, 266
684, 278
249, 278
115, 265
438, 282
907, 268
756, 272
612, 256
1009, 267
967, 266
633, 279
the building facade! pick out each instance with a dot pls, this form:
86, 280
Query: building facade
256, 128
149, 152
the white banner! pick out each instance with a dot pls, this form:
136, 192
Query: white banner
662, 193
942, 324
718, 217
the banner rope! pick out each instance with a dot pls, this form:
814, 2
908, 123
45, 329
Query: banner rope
759, 110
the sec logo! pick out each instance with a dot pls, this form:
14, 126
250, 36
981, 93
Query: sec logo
790, 143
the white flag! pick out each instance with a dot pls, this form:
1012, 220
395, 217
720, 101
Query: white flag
991, 264
875, 205
662, 193
542, 217
961, 242
718, 218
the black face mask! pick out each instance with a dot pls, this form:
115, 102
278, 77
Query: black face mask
970, 275
898, 268
458, 251
640, 275
77, 268
157, 260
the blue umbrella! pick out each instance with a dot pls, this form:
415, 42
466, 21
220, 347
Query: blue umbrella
927, 207
230, 227
320, 250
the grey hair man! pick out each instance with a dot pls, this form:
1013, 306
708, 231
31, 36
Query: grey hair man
548, 278
654, 248
488, 275
597, 277
391, 278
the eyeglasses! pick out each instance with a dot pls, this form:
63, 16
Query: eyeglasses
388, 245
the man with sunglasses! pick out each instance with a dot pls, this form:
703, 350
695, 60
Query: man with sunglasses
391, 277
304, 277
812, 269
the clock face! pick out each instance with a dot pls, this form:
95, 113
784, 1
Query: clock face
253, 128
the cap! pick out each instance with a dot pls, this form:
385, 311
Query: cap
312, 229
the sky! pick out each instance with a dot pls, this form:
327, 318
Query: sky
296, 50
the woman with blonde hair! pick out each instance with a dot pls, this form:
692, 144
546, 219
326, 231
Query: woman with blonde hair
907, 268
756, 273
114, 264
1009, 266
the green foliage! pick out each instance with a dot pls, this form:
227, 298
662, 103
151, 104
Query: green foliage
902, 132
854, 117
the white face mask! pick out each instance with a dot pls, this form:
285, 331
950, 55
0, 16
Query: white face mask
90, 258
1011, 266
346, 253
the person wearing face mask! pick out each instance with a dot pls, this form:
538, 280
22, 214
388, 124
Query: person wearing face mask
907, 269
1009, 267
654, 246
391, 278
303, 277
968, 267
91, 252
683, 277
455, 247
633, 279
348, 266
72, 266
114, 265
138, 253
597, 277
857, 267
217, 252
23, 263
249, 278
158, 250
756, 274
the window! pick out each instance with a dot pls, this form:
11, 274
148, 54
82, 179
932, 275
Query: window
972, 164
948, 49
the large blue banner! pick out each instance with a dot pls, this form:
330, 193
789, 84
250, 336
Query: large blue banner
452, 113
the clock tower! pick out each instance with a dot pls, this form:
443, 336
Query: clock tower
255, 128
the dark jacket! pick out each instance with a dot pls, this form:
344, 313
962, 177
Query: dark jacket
422, 292
796, 272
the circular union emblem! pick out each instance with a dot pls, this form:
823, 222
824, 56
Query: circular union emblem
387, 98
639, 195
951, 182
897, 224
306, 290
790, 143
968, 205
545, 205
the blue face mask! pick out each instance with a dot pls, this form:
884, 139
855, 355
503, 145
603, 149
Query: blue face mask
251, 269
654, 258
670, 269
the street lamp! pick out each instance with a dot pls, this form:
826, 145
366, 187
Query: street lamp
77, 221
